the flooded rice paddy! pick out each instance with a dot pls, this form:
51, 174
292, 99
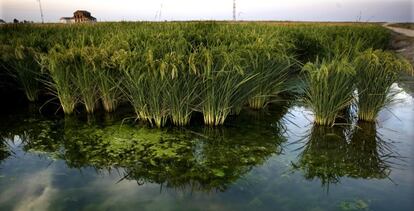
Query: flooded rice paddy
261, 160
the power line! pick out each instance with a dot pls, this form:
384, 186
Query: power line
234, 10
41, 11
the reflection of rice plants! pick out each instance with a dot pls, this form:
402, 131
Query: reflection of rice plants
371, 156
323, 153
330, 87
377, 71
4, 150
335, 152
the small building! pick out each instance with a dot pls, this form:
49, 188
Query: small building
79, 16
67, 20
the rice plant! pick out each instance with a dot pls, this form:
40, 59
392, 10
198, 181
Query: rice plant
167, 71
183, 90
271, 70
377, 70
20, 63
330, 88
224, 83
61, 79
108, 78
84, 78
146, 87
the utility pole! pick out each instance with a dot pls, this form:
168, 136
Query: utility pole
234, 10
41, 11
161, 12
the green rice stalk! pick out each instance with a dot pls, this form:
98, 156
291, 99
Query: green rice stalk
377, 71
84, 78
330, 88
22, 66
271, 70
61, 79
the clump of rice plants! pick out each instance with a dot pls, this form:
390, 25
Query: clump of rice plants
61, 78
330, 88
104, 64
224, 83
84, 78
167, 71
20, 63
146, 87
271, 70
377, 70
183, 89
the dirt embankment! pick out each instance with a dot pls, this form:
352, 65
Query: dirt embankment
403, 45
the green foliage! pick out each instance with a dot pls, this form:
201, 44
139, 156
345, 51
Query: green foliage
330, 88
271, 68
377, 70
166, 71
20, 63
61, 83
204, 160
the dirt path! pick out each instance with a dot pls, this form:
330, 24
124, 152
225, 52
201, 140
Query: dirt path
406, 32
403, 45
402, 42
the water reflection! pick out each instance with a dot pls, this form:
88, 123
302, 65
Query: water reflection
199, 158
331, 153
75, 163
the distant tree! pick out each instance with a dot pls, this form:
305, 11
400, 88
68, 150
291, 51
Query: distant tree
15, 21
2, 21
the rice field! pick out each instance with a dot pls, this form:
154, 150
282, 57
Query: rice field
167, 72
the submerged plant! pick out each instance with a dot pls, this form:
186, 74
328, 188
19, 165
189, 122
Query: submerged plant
377, 70
330, 88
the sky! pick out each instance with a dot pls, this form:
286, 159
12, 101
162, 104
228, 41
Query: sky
156, 10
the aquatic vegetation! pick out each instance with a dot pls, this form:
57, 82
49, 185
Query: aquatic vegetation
225, 84
167, 71
61, 83
108, 78
330, 88
377, 70
84, 78
20, 63
146, 87
270, 68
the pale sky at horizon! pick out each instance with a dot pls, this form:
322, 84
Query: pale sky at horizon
138, 10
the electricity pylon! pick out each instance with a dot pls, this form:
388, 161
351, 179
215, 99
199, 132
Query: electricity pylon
234, 10
41, 11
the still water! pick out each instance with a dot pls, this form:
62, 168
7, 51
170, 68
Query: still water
268, 160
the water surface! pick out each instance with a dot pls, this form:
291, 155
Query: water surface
261, 160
